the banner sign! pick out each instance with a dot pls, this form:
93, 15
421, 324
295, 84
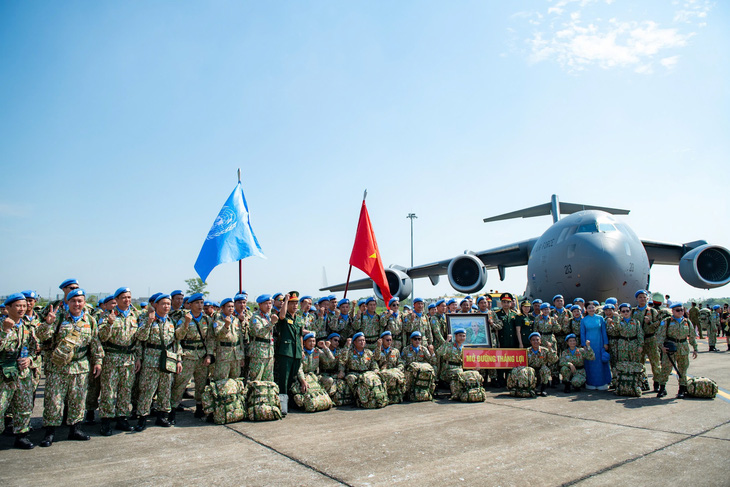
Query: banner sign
494, 358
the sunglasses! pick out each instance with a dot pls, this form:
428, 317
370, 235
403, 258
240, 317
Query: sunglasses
626, 311
417, 339
678, 309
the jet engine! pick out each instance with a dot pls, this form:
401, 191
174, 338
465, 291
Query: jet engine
399, 283
467, 273
706, 267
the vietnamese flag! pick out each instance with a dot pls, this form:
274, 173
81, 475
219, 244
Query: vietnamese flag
366, 256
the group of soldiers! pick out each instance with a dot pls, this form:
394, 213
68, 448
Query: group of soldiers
137, 363
714, 319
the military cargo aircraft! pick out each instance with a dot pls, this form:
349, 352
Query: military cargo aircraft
587, 254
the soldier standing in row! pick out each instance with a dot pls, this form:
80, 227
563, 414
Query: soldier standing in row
675, 332
392, 321
417, 321
230, 338
261, 364
649, 318
369, 324
288, 355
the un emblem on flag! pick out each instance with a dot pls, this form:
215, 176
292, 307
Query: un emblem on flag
224, 223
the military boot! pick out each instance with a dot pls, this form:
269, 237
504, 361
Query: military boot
199, 411
542, 390
106, 427
122, 424
8, 431
162, 419
656, 386
662, 391
48, 440
141, 424
22, 442
89, 418
75, 433
682, 392
567, 386
171, 416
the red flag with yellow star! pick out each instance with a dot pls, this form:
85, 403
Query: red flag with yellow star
366, 256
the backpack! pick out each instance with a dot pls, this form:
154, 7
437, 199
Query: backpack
521, 382
370, 391
262, 401
226, 400
629, 376
315, 399
467, 387
395, 384
423, 381
701, 387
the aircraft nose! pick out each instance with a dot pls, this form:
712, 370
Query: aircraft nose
599, 262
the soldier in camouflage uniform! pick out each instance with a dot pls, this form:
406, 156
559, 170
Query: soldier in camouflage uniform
540, 359
369, 324
67, 382
714, 328
177, 312
547, 326
230, 337
357, 361
388, 359
18, 347
156, 335
676, 330
571, 363
313, 356
451, 361
261, 364
392, 321
330, 367
33, 320
649, 318
197, 339
439, 326
308, 317
94, 392
417, 352
117, 332
705, 314
562, 318
576, 318
339, 322
244, 316
417, 321
628, 351
612, 331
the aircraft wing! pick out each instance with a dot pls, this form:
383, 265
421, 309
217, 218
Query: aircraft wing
510, 255
668, 253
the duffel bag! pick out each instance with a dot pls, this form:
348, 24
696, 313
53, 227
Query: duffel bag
226, 400
521, 382
262, 401
701, 387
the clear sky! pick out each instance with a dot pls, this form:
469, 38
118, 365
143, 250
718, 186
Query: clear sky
122, 125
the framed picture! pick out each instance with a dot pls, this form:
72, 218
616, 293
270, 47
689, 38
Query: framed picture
476, 326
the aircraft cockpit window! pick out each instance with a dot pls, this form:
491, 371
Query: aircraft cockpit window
607, 227
591, 227
563, 234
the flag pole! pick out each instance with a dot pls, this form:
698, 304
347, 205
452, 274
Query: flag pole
349, 271
240, 261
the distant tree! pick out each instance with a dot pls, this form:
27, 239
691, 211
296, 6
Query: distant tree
196, 285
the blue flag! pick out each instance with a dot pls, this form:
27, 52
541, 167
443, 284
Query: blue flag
231, 237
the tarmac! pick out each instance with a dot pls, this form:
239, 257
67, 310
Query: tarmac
587, 438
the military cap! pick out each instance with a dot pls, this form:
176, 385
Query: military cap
474, 306
67, 282
121, 290
468, 296
557, 296
369, 300
676, 305
506, 297
207, 303
526, 302
293, 295
263, 298
240, 297
717, 306
551, 306
322, 300
579, 300
385, 333
176, 292
459, 330
29, 294
613, 301
416, 334
312, 309
544, 306
196, 297
394, 299
358, 335
13, 298
609, 306
571, 335
538, 301
226, 301
431, 306
640, 291
441, 301
595, 303
277, 296
308, 336
624, 305
342, 301
76, 292
161, 297
333, 335
417, 300
534, 334
570, 307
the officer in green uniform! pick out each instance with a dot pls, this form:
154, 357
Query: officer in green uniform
288, 353
509, 335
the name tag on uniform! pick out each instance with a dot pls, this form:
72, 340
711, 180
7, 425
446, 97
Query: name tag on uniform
290, 321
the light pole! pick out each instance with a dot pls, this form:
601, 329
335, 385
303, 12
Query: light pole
412, 216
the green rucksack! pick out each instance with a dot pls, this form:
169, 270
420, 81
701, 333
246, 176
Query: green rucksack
226, 400
262, 401
370, 391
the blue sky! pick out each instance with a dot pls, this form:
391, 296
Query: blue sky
122, 126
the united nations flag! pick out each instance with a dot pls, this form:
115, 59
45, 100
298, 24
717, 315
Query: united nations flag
231, 237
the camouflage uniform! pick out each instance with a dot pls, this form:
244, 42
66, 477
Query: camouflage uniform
414, 322
393, 322
575, 328
391, 372
68, 384
339, 323
310, 363
37, 363
261, 348
439, 330
410, 355
651, 344
16, 396
451, 361
371, 328
540, 361
576, 357
355, 364
705, 319
148, 349
229, 348
562, 319
548, 326
630, 341
194, 349
713, 329
117, 374
613, 333
678, 332
329, 366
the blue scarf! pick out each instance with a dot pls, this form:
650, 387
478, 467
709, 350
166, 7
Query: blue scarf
416, 349
308, 352
76, 318
163, 319
417, 314
124, 313
386, 351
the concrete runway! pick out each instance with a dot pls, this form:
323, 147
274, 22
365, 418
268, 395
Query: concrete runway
587, 438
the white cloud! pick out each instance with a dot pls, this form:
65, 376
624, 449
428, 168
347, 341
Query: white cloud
669, 62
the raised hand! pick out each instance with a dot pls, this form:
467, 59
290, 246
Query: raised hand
8, 324
51, 316
320, 344
112, 316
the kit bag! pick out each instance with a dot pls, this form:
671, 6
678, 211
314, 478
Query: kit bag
701, 387
522, 382
262, 401
225, 400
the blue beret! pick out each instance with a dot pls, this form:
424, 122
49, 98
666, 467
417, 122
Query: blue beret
76, 292
572, 335
308, 336
226, 301
579, 300
207, 303
322, 300
176, 292
538, 301
161, 297
153, 297
624, 305
68, 282
240, 297
432, 306
676, 305
302, 298
467, 296
332, 297
185, 299
595, 303
613, 301
332, 335
557, 296
570, 306
609, 306
196, 297
143, 304
263, 298
13, 298
459, 330
394, 299
641, 291
717, 306
277, 296
107, 299
552, 307
480, 299
121, 290
312, 309
534, 334
450, 301
473, 306
417, 300
463, 301
343, 301
441, 301
544, 306
416, 334
406, 307
361, 301
29, 294
357, 335
385, 333
370, 300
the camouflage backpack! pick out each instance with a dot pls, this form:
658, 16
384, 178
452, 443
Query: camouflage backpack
701, 387
467, 387
423, 382
262, 401
226, 400
629, 376
340, 392
370, 391
395, 384
315, 399
521, 382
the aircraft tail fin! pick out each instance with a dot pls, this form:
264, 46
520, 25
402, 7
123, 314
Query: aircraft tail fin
554, 208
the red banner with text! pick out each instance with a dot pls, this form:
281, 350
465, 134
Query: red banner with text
494, 358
